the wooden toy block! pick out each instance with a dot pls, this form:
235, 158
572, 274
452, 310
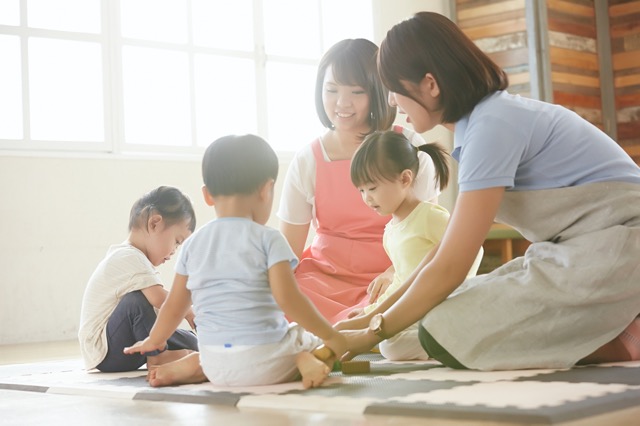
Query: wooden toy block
356, 367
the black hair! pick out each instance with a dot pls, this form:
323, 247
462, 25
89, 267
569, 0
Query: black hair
238, 164
431, 43
385, 155
168, 202
353, 62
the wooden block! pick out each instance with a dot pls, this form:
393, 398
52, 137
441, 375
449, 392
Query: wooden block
356, 367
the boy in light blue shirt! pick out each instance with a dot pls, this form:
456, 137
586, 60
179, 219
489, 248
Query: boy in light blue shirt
238, 274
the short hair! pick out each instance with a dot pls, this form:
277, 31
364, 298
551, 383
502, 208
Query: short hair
238, 164
169, 202
383, 156
431, 43
353, 62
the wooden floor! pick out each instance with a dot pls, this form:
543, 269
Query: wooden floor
29, 408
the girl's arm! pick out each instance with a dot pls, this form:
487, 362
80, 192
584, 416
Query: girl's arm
299, 308
296, 236
441, 272
174, 309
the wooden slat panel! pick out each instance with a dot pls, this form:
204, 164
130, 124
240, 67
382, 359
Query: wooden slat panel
519, 78
628, 130
628, 100
510, 58
578, 80
576, 99
571, 8
486, 20
624, 9
625, 29
573, 58
626, 80
497, 29
626, 60
490, 9
562, 26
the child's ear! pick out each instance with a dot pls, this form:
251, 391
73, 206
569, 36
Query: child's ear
208, 198
266, 190
154, 222
406, 177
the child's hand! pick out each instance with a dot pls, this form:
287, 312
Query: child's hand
355, 313
379, 285
338, 344
353, 323
145, 346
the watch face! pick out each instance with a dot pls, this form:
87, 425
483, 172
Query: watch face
376, 322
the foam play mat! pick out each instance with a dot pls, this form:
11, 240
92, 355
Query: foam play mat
420, 388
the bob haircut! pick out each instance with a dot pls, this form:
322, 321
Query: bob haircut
238, 165
353, 63
430, 43
169, 202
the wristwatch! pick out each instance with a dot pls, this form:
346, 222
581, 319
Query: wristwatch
375, 325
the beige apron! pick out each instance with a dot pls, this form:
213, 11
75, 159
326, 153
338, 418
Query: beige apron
576, 288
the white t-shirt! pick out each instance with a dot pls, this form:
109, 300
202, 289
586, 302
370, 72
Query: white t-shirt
123, 270
297, 202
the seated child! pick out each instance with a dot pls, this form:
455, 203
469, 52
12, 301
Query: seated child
119, 301
384, 169
239, 275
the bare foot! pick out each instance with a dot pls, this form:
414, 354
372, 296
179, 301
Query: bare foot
183, 371
313, 371
166, 357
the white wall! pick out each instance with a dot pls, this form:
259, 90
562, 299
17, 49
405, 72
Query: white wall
58, 215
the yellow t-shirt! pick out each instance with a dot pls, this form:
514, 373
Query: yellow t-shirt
408, 242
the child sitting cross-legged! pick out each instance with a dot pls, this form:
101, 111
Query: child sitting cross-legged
238, 274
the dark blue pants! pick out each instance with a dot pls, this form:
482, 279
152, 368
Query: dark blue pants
130, 322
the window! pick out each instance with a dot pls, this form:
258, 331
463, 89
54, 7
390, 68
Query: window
164, 75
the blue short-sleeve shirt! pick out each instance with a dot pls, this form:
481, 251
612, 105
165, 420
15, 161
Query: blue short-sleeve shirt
525, 144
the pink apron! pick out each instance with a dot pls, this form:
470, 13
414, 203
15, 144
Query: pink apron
346, 253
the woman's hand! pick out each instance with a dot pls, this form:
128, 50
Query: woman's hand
338, 344
380, 284
359, 341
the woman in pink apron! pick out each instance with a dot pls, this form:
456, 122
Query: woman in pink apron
346, 255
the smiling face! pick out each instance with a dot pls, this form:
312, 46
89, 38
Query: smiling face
163, 240
346, 106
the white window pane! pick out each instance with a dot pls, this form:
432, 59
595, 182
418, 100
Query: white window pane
292, 117
65, 15
66, 90
292, 28
225, 97
10, 88
228, 27
158, 20
156, 97
346, 19
9, 12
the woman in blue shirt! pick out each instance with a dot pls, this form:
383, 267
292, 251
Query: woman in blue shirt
574, 297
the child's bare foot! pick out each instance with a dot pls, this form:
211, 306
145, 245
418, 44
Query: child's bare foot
183, 371
166, 357
312, 370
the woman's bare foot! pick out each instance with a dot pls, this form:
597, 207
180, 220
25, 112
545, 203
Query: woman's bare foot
312, 370
625, 347
183, 371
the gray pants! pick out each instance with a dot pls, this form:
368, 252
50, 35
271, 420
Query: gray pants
131, 322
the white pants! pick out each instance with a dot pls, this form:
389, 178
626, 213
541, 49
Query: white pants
250, 365
404, 346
